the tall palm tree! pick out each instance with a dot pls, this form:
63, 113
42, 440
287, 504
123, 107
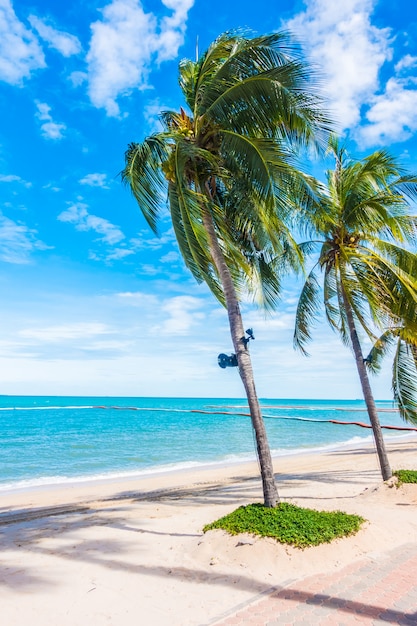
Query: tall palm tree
360, 223
226, 164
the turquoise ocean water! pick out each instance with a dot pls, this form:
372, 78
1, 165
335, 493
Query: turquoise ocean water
53, 440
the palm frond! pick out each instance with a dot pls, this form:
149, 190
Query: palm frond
270, 104
191, 237
259, 84
342, 293
331, 300
307, 308
143, 174
250, 156
406, 186
265, 281
188, 77
404, 382
380, 349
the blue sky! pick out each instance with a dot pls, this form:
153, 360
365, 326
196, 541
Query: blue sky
92, 302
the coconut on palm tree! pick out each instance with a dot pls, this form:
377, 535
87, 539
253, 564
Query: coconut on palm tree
363, 228
226, 163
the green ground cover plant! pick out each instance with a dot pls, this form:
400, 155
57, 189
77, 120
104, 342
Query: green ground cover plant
406, 476
289, 524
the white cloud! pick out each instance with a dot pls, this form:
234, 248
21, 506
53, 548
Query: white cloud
173, 28
176, 315
123, 45
65, 332
170, 257
148, 270
182, 313
95, 180
20, 52
13, 178
119, 253
52, 187
405, 63
77, 78
138, 298
17, 241
151, 113
340, 38
78, 215
49, 128
11, 349
65, 43
147, 240
107, 344
392, 115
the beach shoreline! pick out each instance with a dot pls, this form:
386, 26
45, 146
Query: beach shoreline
134, 551
50, 441
49, 485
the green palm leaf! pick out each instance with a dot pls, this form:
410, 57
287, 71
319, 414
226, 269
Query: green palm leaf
404, 381
144, 176
307, 309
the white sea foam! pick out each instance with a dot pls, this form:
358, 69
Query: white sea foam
43, 408
54, 481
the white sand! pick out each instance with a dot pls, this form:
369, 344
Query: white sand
134, 553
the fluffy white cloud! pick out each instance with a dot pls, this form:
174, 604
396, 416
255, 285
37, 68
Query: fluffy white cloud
17, 241
123, 45
95, 180
49, 128
78, 215
340, 38
173, 28
20, 52
77, 78
405, 63
392, 115
179, 314
65, 43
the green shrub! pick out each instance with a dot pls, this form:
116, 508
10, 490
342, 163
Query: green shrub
406, 476
289, 524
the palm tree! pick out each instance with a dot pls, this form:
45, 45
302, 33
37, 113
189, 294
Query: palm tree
402, 331
360, 221
226, 164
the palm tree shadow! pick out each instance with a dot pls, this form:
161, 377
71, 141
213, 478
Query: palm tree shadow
23, 578
115, 555
107, 555
103, 553
343, 605
370, 451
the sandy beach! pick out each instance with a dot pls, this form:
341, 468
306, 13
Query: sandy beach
134, 553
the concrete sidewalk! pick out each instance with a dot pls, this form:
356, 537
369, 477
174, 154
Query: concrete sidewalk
381, 589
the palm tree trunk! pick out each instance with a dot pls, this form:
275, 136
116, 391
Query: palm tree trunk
367, 392
237, 332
